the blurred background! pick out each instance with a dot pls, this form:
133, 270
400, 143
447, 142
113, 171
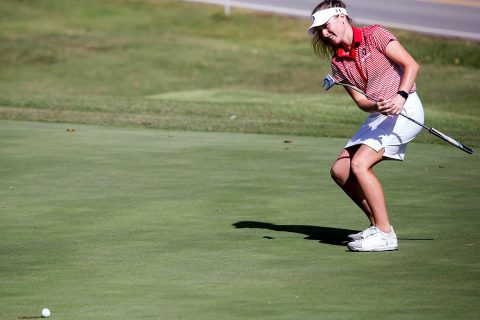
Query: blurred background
190, 66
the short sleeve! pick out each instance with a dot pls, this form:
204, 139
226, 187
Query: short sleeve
381, 37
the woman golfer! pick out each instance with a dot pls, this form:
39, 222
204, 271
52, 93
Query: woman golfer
373, 60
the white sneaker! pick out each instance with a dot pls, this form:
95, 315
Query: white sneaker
376, 240
360, 235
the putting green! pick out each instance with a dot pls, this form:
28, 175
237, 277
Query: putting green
109, 223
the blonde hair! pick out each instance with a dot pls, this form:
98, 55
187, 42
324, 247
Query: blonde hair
322, 48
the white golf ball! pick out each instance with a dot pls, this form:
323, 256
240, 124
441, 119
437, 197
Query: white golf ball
45, 313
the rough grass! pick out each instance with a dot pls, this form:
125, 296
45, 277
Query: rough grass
141, 63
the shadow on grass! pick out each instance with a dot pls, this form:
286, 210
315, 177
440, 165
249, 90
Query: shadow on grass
327, 235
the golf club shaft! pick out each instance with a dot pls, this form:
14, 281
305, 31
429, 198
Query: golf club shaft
432, 130
376, 100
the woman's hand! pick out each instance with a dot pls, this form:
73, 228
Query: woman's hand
392, 106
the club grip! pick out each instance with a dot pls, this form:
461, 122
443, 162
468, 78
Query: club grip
446, 138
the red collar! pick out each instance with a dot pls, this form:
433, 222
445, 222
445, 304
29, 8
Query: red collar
357, 40
352, 54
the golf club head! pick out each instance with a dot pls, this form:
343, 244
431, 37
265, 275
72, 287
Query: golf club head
328, 82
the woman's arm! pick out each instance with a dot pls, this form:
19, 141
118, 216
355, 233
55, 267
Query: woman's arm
399, 55
362, 102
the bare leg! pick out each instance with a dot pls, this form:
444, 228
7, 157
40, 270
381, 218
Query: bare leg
342, 175
362, 162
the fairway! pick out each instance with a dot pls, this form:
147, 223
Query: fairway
116, 223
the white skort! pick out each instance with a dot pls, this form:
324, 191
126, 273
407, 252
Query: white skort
392, 133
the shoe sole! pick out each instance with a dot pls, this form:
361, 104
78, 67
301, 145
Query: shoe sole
374, 249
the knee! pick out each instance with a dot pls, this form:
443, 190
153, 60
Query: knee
339, 174
359, 166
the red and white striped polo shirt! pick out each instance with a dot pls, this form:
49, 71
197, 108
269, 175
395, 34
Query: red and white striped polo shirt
366, 66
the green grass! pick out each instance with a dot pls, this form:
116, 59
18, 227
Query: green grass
111, 220
143, 63
108, 223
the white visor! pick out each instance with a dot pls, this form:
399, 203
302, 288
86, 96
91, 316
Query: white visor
321, 17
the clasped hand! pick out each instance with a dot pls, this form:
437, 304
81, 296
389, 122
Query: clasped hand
392, 106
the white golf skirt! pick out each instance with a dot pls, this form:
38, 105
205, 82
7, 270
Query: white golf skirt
392, 133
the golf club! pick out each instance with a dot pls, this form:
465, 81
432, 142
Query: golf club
329, 82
